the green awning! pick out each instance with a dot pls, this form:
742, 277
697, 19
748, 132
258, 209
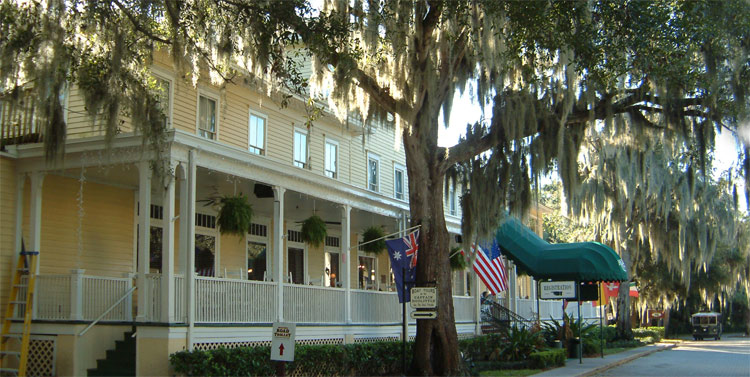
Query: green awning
581, 261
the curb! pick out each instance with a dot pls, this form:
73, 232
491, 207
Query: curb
626, 360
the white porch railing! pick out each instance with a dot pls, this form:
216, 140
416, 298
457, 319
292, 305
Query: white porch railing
312, 304
180, 313
153, 297
99, 293
463, 308
234, 301
55, 303
375, 307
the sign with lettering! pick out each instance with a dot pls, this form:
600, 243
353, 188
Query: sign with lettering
424, 297
282, 341
557, 290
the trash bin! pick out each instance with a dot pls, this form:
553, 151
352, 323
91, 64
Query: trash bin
573, 348
557, 344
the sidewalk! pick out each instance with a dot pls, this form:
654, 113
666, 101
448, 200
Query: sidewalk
595, 365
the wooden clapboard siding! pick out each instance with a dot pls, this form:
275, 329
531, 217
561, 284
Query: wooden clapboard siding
7, 226
232, 255
107, 227
185, 104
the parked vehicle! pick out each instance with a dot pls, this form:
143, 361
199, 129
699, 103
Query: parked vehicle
706, 325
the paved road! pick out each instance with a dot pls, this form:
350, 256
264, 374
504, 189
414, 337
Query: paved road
727, 357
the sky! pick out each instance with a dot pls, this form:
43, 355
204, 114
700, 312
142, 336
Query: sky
467, 111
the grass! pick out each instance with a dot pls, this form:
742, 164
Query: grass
510, 372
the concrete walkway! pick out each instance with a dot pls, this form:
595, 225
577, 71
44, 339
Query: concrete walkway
594, 365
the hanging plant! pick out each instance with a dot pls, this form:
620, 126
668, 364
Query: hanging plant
370, 234
458, 260
235, 214
314, 231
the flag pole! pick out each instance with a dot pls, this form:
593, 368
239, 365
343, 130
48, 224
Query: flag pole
403, 324
386, 236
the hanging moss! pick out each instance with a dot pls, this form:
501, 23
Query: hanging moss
235, 215
458, 260
314, 231
370, 234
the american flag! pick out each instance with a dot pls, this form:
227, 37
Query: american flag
490, 267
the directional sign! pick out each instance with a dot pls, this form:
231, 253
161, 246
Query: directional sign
424, 314
282, 341
551, 290
424, 297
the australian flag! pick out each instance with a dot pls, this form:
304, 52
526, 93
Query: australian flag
403, 253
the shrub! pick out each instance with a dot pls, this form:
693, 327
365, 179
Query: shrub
657, 333
610, 333
520, 342
365, 359
547, 359
480, 348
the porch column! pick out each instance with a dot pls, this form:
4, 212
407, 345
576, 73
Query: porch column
35, 224
346, 225
144, 236
167, 250
188, 217
20, 184
477, 301
278, 249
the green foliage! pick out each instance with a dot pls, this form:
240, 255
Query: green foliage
458, 260
655, 332
373, 233
520, 342
314, 231
480, 348
610, 333
365, 359
547, 359
235, 215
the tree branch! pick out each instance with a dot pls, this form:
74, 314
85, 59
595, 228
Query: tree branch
138, 26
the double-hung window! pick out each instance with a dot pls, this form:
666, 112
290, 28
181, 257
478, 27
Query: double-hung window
257, 134
398, 181
332, 157
373, 172
300, 148
452, 205
207, 117
163, 92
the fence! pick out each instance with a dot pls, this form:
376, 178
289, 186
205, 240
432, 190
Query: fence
234, 301
312, 304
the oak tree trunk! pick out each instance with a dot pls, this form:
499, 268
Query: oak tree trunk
624, 325
436, 345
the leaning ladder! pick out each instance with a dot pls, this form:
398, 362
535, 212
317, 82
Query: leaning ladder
26, 267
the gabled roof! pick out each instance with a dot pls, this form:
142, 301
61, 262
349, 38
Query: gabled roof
581, 261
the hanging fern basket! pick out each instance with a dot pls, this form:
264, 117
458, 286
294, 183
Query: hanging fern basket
370, 234
458, 260
314, 231
235, 215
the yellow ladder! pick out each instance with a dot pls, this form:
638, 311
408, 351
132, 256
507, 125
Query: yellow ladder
26, 267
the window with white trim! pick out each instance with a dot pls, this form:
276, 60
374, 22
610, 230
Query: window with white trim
373, 172
300, 148
332, 157
257, 134
207, 117
163, 92
398, 181
452, 206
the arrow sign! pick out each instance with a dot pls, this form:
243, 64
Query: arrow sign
282, 339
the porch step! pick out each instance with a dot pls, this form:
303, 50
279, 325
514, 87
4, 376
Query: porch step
120, 361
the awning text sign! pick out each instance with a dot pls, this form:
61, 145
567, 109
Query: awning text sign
424, 297
282, 341
557, 290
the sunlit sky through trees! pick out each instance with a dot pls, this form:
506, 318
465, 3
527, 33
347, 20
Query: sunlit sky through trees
466, 110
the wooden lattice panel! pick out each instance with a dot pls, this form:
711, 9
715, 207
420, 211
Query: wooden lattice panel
41, 360
371, 339
216, 345
320, 342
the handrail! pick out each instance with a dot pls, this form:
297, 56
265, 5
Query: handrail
107, 311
